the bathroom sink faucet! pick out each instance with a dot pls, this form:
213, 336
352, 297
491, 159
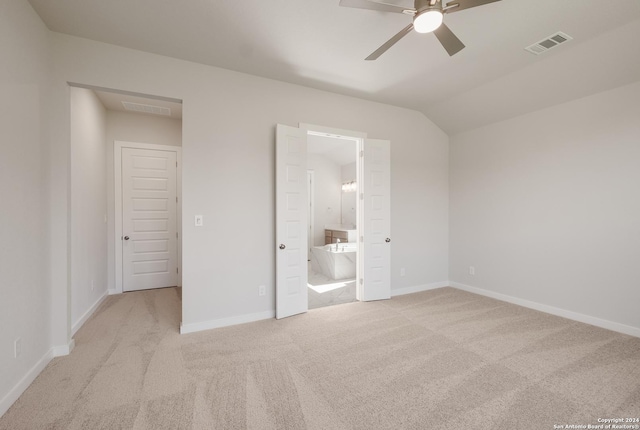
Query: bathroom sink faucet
338, 242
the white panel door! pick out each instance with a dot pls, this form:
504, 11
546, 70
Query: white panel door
149, 223
291, 221
376, 246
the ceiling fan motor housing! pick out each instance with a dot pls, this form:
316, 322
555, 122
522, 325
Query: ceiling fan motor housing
423, 5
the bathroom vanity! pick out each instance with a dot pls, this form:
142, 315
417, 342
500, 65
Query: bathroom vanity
345, 234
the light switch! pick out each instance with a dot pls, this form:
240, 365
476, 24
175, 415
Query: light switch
199, 220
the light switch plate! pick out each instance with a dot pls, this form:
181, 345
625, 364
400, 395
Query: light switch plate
199, 220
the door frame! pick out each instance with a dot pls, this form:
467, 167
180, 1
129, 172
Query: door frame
359, 137
118, 145
311, 178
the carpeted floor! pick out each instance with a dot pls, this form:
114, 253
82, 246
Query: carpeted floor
441, 359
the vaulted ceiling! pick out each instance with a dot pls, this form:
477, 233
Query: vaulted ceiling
319, 44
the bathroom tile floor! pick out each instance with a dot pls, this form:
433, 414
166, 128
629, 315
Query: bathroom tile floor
324, 291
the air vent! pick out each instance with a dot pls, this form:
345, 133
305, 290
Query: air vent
155, 110
549, 42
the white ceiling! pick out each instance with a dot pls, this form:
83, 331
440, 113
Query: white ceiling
113, 101
319, 44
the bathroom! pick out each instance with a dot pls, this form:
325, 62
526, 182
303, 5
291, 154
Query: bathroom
332, 254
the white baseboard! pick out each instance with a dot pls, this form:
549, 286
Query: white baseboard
10, 398
113, 291
62, 350
242, 319
225, 322
83, 319
418, 288
598, 322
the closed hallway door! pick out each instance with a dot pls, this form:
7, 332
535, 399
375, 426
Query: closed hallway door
149, 219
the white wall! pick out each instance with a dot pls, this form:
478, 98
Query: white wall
229, 123
135, 127
326, 194
546, 206
349, 173
88, 204
24, 289
132, 127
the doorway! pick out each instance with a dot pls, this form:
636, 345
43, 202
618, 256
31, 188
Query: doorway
98, 118
147, 213
373, 277
333, 247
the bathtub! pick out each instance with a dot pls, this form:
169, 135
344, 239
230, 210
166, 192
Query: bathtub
335, 264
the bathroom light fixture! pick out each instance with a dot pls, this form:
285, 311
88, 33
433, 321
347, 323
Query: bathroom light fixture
349, 187
428, 21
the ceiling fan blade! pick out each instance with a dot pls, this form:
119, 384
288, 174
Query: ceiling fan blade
372, 5
449, 41
381, 50
458, 5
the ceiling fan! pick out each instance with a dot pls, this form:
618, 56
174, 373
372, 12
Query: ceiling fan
427, 18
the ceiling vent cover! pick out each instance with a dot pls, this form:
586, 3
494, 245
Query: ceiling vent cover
549, 42
155, 110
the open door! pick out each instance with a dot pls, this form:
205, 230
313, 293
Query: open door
291, 221
376, 246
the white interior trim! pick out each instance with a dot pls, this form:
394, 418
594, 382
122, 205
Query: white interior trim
62, 350
311, 183
418, 288
331, 132
13, 394
575, 316
225, 322
117, 173
88, 314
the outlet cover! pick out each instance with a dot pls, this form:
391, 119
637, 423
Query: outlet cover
199, 221
472, 270
262, 290
403, 272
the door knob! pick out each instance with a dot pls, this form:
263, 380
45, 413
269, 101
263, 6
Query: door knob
126, 238
282, 246
387, 240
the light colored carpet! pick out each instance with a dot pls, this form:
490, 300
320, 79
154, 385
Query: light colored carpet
441, 359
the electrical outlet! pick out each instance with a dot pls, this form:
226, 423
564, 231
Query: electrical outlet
17, 348
403, 272
472, 270
262, 290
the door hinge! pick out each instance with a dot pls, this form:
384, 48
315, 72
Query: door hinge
176, 164
176, 199
177, 270
362, 153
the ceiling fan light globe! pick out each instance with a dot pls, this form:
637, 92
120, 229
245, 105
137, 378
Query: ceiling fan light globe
427, 21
